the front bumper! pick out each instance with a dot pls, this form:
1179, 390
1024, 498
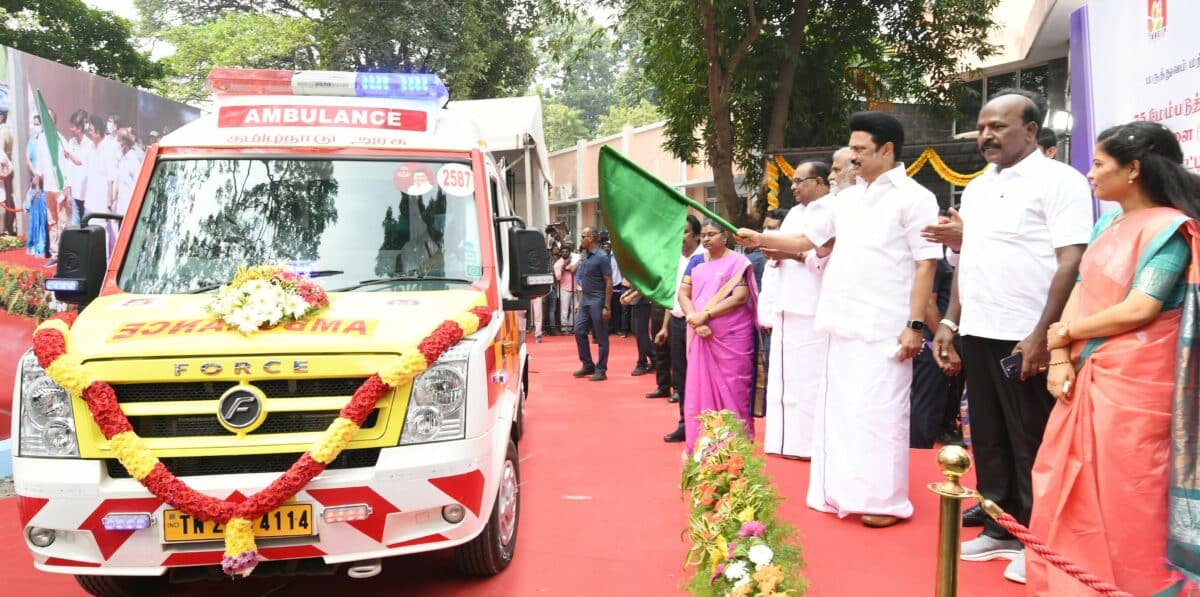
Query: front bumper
406, 491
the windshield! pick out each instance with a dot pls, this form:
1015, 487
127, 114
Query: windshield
349, 221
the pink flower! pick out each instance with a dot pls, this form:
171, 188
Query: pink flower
752, 529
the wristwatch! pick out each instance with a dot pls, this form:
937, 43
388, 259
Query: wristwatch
918, 325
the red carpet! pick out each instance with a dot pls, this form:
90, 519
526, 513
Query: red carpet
19, 257
602, 513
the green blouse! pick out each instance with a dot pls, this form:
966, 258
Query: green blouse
1162, 275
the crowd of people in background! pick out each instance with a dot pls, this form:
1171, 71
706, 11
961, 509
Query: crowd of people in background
98, 159
873, 315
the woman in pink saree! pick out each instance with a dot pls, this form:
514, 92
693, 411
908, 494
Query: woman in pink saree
718, 297
1100, 480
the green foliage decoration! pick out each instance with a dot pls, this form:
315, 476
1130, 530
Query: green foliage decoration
739, 546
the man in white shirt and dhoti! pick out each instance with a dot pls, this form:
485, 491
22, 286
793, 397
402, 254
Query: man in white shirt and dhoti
872, 301
797, 355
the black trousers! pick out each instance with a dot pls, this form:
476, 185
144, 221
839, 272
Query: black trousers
662, 354
550, 321
677, 338
935, 401
1008, 418
589, 318
640, 314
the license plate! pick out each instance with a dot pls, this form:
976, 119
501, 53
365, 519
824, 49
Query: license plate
294, 520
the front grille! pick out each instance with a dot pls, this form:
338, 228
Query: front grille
212, 390
277, 422
192, 466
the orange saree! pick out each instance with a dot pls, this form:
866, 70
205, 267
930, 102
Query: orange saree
1100, 478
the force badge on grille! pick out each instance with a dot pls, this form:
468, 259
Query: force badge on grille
242, 409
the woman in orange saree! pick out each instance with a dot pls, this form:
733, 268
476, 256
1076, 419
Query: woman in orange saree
1100, 479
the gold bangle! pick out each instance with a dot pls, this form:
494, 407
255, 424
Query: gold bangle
1060, 363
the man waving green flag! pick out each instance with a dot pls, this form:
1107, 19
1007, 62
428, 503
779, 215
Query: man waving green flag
646, 219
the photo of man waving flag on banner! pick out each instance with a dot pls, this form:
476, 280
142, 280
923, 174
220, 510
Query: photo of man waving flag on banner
646, 219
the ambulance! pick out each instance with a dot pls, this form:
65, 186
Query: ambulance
368, 185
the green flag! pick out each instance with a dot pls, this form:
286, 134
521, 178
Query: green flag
646, 219
51, 135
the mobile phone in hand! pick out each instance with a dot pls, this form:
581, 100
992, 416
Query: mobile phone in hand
1011, 365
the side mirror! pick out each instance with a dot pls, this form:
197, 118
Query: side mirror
530, 273
82, 258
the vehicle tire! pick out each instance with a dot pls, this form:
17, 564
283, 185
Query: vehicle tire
121, 586
518, 428
492, 550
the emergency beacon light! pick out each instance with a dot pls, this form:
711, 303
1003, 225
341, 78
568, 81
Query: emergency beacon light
225, 82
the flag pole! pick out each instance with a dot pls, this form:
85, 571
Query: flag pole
672, 191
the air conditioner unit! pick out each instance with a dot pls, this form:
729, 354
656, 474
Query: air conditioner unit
564, 192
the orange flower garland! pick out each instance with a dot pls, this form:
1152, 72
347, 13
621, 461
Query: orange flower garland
241, 553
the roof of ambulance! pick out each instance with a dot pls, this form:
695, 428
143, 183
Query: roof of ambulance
254, 122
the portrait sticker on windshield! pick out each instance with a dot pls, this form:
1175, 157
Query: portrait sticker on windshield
456, 179
471, 256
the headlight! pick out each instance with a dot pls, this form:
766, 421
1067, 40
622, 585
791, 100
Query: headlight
47, 417
436, 405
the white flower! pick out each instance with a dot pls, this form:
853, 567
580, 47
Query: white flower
736, 570
761, 555
295, 306
698, 454
242, 319
256, 286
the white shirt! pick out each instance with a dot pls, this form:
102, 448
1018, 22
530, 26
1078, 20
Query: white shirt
677, 310
866, 291
799, 284
74, 174
1012, 222
128, 168
94, 188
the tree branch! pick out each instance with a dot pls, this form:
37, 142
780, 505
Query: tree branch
743, 47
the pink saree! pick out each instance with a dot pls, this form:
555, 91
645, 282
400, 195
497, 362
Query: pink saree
1100, 478
721, 368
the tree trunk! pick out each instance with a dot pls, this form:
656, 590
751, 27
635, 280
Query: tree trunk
787, 78
719, 140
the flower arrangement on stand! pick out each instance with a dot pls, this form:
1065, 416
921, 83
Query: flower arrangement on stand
22, 292
9, 242
265, 296
738, 547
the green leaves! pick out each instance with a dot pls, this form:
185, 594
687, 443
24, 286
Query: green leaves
480, 48
70, 32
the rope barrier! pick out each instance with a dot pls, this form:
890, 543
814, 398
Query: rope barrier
1033, 542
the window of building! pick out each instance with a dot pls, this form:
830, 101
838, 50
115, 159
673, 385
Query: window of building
710, 198
1037, 79
999, 82
968, 106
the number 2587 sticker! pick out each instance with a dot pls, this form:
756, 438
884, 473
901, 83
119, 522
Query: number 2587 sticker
456, 179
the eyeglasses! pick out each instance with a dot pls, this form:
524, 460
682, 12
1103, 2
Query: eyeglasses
801, 180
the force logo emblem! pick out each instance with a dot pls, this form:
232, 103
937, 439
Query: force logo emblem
242, 409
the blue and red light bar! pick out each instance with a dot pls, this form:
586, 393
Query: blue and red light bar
225, 82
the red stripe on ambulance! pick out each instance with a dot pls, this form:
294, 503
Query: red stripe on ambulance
392, 119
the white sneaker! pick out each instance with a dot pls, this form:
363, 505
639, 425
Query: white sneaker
1015, 571
984, 548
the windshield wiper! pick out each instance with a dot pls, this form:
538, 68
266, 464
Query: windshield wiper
313, 274
400, 278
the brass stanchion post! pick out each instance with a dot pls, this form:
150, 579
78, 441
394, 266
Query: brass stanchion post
954, 462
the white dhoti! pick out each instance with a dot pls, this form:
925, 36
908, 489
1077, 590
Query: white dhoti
860, 431
793, 381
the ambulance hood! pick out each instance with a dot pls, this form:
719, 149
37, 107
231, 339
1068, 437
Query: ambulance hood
150, 326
